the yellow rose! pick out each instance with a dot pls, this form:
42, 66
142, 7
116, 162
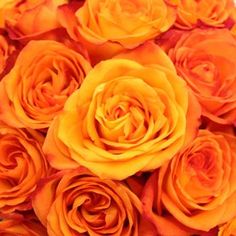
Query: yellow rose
126, 117
228, 229
106, 27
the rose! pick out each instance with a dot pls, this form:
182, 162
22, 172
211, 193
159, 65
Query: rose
31, 19
197, 187
11, 227
233, 26
193, 13
205, 59
22, 164
35, 90
119, 24
125, 116
6, 50
5, 6
228, 229
233, 30
77, 202
15, 7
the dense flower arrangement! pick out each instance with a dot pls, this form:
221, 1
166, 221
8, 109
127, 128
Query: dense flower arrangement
117, 117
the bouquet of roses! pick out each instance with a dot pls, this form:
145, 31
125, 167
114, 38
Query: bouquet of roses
117, 117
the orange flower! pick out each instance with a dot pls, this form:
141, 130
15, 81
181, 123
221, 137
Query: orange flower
22, 164
9, 8
126, 116
233, 31
198, 186
5, 6
228, 229
44, 75
79, 203
193, 13
206, 59
105, 27
13, 227
233, 27
31, 18
6, 50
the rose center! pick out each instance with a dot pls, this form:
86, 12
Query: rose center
201, 164
205, 72
124, 115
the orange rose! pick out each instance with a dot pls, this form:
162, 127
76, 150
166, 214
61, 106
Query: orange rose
229, 229
79, 203
206, 60
233, 31
233, 17
194, 13
105, 27
32, 18
197, 187
6, 50
21, 228
44, 75
5, 6
11, 7
22, 164
125, 116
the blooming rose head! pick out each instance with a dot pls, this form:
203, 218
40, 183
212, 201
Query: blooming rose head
194, 13
79, 203
22, 165
11, 227
228, 229
126, 117
206, 59
198, 186
29, 19
106, 27
44, 75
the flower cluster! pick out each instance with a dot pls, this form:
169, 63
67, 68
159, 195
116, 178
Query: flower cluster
117, 117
